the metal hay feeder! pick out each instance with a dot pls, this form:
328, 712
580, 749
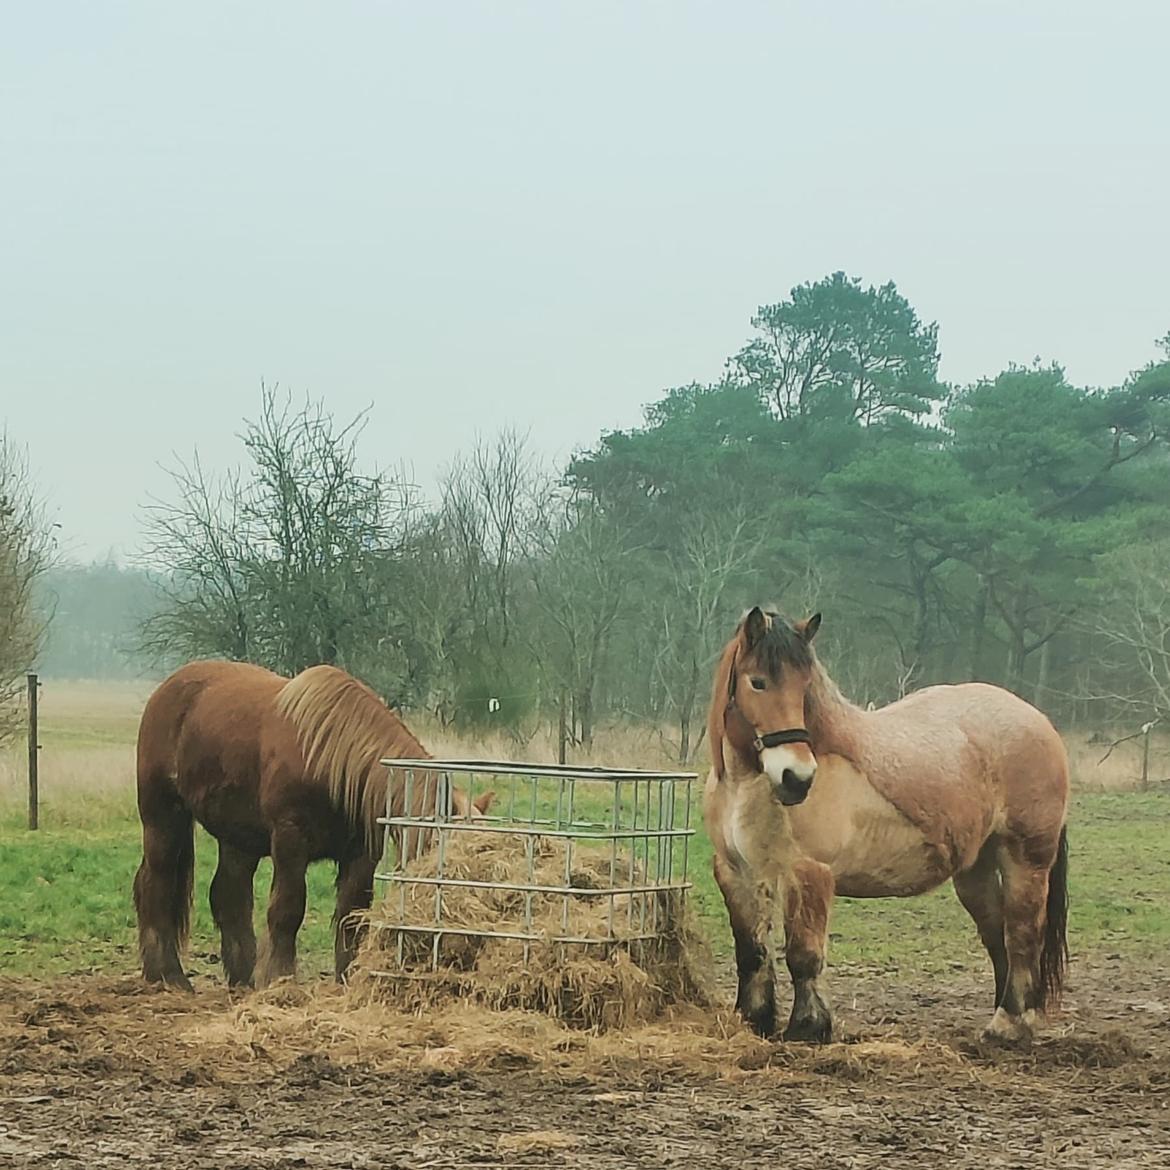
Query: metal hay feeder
631, 826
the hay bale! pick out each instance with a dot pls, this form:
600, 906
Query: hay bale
613, 983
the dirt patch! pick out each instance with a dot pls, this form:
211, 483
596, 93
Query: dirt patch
99, 1073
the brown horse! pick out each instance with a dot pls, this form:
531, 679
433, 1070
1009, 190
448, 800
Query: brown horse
963, 782
267, 766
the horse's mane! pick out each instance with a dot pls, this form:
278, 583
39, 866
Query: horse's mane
720, 691
344, 730
825, 701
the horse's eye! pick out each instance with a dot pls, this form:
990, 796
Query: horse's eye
758, 684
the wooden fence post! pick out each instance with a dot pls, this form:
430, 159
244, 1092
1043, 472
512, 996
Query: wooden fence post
562, 730
1146, 729
34, 748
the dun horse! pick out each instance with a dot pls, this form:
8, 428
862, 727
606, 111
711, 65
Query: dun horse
809, 796
267, 766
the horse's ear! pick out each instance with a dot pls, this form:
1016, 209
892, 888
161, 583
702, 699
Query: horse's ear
483, 802
807, 629
755, 626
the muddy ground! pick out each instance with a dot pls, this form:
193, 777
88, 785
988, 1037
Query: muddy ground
92, 1075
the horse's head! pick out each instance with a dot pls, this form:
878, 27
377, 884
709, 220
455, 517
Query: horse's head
414, 842
462, 806
758, 704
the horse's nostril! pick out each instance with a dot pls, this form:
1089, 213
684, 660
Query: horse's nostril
798, 783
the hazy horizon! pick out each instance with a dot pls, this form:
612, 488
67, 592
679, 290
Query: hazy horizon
540, 216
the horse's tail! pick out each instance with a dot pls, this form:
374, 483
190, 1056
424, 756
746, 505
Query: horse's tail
1054, 955
183, 889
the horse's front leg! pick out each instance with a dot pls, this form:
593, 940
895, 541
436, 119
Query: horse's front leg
231, 907
751, 908
286, 906
355, 892
806, 933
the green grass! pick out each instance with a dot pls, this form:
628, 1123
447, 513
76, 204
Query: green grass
65, 903
1119, 881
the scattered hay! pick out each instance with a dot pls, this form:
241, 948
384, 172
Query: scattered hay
615, 985
858, 1060
454, 1039
308, 1034
1110, 1049
537, 1141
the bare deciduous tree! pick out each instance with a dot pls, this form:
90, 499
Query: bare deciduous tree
487, 509
581, 573
286, 564
26, 548
714, 549
1134, 623
199, 545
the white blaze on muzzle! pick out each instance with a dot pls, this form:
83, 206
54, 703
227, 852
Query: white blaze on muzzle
796, 760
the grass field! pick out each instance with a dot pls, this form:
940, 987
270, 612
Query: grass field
65, 890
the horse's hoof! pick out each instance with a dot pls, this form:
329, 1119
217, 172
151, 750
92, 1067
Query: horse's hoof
765, 1029
762, 1023
1007, 1029
178, 982
810, 1030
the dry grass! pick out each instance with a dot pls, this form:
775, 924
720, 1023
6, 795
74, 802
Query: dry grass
87, 771
88, 731
1095, 767
80, 787
617, 746
87, 734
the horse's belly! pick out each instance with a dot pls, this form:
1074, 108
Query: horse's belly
231, 813
251, 839
886, 860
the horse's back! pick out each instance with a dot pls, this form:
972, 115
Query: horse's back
967, 760
199, 693
996, 722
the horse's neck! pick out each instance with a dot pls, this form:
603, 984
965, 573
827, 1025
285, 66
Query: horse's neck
734, 767
834, 723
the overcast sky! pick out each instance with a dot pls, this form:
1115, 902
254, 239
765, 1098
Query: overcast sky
542, 213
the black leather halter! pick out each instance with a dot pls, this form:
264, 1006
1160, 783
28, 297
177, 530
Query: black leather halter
768, 739
776, 738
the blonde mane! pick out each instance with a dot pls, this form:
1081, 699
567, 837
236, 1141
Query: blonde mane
830, 715
344, 730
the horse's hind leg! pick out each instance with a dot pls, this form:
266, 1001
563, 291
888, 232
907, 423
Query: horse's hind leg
355, 891
231, 907
981, 894
1025, 895
806, 928
286, 906
163, 883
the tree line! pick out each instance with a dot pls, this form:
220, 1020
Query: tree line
1015, 530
